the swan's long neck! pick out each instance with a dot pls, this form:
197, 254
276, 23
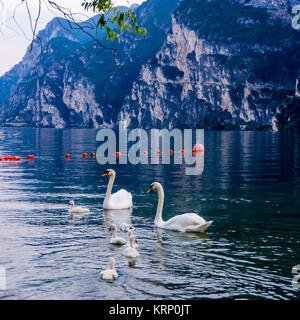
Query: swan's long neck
131, 241
115, 232
112, 265
109, 186
161, 197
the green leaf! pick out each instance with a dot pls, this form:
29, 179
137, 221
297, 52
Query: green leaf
121, 20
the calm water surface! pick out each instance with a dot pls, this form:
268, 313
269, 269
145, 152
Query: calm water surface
250, 187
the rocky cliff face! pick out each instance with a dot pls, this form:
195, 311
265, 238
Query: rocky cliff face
56, 28
278, 8
74, 83
204, 63
217, 74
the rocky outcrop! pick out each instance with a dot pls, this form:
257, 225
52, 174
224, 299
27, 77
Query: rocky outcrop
60, 99
202, 78
74, 83
278, 8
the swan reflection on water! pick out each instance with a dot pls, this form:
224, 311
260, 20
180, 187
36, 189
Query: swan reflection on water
180, 236
117, 216
77, 214
170, 242
131, 263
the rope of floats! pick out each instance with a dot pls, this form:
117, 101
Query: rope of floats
196, 148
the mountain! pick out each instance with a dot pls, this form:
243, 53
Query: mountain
76, 83
217, 64
223, 65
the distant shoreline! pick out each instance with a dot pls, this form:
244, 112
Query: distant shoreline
24, 125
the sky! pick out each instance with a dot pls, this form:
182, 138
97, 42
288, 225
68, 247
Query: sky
14, 42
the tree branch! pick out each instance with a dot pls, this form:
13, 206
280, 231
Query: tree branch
125, 21
53, 7
70, 17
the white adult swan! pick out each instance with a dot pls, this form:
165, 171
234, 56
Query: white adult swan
130, 252
111, 273
119, 200
115, 239
77, 209
187, 222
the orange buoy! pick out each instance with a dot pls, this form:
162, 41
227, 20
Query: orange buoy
93, 154
11, 158
145, 152
67, 155
182, 151
194, 150
171, 152
30, 156
1, 159
85, 155
17, 158
118, 154
158, 151
199, 147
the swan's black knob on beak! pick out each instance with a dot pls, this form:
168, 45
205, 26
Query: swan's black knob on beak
105, 173
149, 189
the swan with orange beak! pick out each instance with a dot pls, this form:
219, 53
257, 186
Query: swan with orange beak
187, 222
119, 200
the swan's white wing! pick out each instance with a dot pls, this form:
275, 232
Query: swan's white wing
118, 240
125, 227
79, 210
130, 252
184, 220
121, 199
198, 228
108, 274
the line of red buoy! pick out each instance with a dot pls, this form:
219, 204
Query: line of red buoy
196, 148
15, 158
85, 155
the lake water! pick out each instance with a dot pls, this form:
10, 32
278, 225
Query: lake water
250, 187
